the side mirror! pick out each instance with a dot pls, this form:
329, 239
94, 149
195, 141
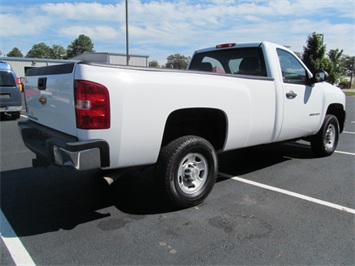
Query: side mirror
318, 77
321, 76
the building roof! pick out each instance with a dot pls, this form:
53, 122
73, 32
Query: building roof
106, 53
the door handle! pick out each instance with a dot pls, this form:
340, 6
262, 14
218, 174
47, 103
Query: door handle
291, 95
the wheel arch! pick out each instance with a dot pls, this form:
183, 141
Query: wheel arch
339, 112
208, 123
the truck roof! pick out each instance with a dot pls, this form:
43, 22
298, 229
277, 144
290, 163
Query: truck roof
234, 45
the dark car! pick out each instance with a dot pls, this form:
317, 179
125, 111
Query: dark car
10, 94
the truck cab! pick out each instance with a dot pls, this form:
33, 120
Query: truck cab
298, 93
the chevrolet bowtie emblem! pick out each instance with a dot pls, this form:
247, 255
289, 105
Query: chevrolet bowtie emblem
42, 100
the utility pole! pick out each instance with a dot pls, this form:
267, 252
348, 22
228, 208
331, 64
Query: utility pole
352, 72
127, 49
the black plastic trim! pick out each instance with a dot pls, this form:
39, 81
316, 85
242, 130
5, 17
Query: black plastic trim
40, 140
51, 70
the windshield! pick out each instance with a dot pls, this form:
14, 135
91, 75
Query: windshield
7, 79
244, 61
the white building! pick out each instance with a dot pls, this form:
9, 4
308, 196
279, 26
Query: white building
20, 64
112, 58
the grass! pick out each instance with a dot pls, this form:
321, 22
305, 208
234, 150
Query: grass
349, 93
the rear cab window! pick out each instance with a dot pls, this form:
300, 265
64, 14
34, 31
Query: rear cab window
7, 79
243, 61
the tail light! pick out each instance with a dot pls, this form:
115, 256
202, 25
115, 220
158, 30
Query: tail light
92, 105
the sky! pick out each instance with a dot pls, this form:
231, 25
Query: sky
161, 28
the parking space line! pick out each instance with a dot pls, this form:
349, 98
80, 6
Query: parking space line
289, 193
16, 249
344, 152
348, 132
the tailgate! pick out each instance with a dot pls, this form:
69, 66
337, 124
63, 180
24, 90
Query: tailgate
49, 94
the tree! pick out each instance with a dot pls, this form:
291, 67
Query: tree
177, 61
15, 52
40, 50
348, 64
314, 53
58, 52
334, 69
299, 55
154, 63
80, 45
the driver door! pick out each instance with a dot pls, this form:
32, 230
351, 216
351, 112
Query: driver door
302, 102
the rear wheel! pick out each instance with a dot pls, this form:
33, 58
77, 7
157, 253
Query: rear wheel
188, 169
16, 115
325, 141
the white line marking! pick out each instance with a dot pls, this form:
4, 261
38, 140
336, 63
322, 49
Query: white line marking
290, 193
348, 132
353, 122
344, 152
301, 145
17, 251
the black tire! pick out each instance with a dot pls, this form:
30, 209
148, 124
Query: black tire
325, 141
187, 167
15, 115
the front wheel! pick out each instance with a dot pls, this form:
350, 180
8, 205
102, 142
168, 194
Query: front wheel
325, 141
188, 168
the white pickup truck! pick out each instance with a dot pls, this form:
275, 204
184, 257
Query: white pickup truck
90, 115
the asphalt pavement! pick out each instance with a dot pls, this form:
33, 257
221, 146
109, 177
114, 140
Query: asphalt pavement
272, 205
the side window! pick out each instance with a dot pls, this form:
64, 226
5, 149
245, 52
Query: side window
292, 69
234, 64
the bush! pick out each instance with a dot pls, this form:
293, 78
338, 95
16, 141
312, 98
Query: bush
344, 84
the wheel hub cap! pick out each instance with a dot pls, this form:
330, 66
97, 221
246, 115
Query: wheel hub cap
329, 137
193, 172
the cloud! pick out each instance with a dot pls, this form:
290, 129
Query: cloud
160, 28
13, 25
96, 32
81, 11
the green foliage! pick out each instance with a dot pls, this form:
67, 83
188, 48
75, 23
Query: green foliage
15, 52
314, 53
349, 93
154, 63
334, 68
348, 65
58, 52
80, 45
299, 55
40, 50
344, 84
336, 64
177, 61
